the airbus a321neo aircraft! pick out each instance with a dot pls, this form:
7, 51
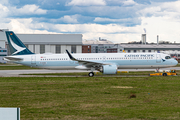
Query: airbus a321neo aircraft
107, 63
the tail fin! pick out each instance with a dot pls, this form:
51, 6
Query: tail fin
15, 45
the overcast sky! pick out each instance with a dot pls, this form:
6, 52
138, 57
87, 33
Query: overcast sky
116, 20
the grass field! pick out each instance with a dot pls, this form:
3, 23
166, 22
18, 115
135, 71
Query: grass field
94, 98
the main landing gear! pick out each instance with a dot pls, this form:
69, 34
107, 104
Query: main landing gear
91, 74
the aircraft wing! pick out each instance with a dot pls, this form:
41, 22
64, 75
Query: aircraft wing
9, 58
86, 63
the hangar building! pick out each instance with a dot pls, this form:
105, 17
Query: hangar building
47, 43
52, 43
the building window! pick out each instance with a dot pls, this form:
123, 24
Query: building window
149, 50
111, 51
129, 51
96, 50
73, 48
42, 49
3, 50
134, 51
143, 50
58, 48
120, 49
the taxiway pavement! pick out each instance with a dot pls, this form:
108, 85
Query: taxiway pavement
16, 73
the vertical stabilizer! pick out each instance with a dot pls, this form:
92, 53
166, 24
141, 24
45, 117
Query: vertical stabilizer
15, 45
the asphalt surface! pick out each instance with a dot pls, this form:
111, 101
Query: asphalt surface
16, 73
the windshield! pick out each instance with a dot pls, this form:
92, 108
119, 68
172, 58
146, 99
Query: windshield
167, 57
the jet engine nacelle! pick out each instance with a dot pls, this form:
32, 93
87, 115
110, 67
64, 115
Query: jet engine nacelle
109, 69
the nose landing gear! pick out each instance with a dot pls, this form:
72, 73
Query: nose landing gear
91, 74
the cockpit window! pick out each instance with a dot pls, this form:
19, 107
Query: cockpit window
167, 57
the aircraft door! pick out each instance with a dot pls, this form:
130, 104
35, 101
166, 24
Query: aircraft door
33, 60
158, 58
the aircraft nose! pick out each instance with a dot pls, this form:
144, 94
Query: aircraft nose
175, 62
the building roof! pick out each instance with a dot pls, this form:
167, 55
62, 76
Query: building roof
88, 42
51, 38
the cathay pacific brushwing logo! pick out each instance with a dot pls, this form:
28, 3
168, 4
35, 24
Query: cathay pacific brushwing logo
18, 48
163, 60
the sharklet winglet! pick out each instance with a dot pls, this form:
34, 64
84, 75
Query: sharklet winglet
70, 56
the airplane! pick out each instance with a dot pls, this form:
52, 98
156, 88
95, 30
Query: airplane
107, 63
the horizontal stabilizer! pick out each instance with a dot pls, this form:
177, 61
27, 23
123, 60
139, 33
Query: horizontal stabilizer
13, 58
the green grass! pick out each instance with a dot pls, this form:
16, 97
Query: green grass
94, 98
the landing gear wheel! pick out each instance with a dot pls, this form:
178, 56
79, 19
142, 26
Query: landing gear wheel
164, 74
91, 74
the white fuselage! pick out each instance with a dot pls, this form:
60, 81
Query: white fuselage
122, 60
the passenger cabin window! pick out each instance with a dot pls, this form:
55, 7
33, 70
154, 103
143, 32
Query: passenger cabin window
167, 57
